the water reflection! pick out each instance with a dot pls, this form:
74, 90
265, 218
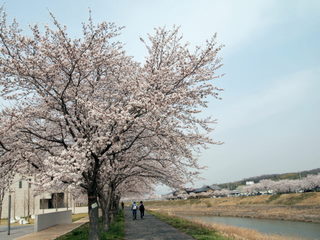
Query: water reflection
287, 228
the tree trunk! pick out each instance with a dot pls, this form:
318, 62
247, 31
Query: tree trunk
114, 206
93, 214
117, 202
103, 204
0, 210
108, 215
106, 200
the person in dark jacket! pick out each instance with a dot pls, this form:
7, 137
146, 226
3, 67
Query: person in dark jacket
141, 209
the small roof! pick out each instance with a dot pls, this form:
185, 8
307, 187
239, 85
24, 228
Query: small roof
215, 187
202, 189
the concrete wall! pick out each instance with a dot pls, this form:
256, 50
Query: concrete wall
46, 220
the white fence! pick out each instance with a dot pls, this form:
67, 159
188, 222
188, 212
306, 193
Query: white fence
46, 220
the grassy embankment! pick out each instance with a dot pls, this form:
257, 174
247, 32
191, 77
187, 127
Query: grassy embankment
203, 231
296, 206
116, 231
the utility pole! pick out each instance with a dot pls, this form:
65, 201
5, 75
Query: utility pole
28, 209
14, 203
42, 203
9, 212
67, 200
56, 200
24, 202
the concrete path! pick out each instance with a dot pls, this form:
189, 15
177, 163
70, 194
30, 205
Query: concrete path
53, 232
15, 231
150, 228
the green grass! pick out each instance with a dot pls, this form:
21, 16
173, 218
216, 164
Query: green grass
80, 233
195, 230
78, 216
116, 231
296, 199
273, 197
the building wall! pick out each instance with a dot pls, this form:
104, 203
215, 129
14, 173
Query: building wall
25, 201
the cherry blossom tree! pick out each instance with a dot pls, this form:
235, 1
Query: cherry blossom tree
312, 182
265, 185
309, 183
90, 116
222, 193
5, 158
8, 160
5, 181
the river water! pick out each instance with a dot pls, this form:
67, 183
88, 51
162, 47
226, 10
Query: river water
287, 228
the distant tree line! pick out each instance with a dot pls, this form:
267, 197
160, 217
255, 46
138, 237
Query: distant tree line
274, 177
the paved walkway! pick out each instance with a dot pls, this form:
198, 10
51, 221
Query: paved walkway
150, 228
53, 232
15, 231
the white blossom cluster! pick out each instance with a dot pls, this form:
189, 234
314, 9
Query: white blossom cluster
309, 183
87, 116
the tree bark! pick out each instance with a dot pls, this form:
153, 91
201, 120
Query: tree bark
106, 200
117, 202
0, 211
114, 206
93, 214
105, 212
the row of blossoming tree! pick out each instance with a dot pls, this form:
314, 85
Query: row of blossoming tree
309, 183
86, 117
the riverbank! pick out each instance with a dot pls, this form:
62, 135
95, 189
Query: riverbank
206, 231
303, 207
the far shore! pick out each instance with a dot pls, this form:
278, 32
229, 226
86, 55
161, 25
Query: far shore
304, 207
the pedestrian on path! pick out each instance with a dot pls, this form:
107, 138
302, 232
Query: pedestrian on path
154, 228
122, 205
141, 209
134, 208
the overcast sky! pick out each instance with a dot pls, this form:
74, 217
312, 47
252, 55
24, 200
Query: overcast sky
269, 116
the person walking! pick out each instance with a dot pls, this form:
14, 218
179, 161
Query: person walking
122, 205
141, 209
134, 208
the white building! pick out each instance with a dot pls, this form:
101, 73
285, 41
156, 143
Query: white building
248, 183
25, 201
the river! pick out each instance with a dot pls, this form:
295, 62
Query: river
286, 228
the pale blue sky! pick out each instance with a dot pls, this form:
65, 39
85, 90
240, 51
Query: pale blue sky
269, 116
